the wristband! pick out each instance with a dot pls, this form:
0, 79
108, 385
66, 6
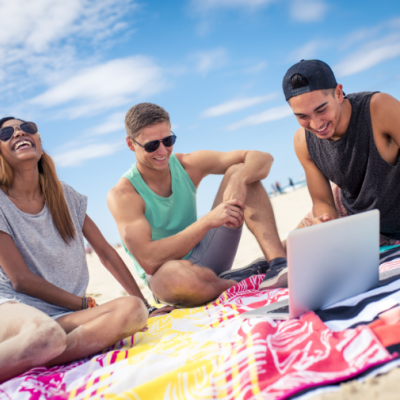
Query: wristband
149, 307
88, 302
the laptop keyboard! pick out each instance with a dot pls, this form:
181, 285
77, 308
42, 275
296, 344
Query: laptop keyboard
284, 309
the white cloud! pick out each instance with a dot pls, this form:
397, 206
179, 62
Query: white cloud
35, 25
205, 61
307, 51
236, 105
269, 115
308, 10
256, 68
368, 56
76, 157
207, 5
45, 41
115, 122
104, 86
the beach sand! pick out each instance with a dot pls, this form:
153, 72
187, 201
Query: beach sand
289, 209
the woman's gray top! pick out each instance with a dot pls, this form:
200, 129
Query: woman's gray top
353, 162
44, 251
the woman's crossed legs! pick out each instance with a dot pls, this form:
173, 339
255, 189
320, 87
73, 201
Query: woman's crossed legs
29, 338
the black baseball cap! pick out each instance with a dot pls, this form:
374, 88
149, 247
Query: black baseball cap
318, 74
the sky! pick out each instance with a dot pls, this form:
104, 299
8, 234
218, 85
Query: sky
75, 67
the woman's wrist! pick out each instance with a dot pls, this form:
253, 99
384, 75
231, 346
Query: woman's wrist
88, 302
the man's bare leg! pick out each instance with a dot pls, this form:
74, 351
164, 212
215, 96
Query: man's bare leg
259, 216
181, 282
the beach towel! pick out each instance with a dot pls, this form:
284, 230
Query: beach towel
209, 353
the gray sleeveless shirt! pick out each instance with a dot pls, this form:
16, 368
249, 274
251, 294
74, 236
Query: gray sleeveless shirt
44, 251
353, 162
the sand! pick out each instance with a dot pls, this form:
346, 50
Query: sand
289, 209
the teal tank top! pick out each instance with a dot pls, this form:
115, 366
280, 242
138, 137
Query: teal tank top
167, 216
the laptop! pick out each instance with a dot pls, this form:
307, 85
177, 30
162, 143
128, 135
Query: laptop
328, 263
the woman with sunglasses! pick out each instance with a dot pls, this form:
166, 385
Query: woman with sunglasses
46, 319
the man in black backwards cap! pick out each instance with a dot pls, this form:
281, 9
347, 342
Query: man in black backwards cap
352, 141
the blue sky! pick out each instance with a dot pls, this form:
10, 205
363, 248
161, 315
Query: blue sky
75, 67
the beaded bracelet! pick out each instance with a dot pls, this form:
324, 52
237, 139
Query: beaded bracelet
88, 302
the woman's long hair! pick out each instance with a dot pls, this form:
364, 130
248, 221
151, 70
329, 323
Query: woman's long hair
52, 191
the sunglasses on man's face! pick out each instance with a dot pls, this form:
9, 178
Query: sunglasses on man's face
26, 127
152, 146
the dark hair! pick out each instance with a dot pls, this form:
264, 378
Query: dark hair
142, 115
5, 119
51, 188
298, 81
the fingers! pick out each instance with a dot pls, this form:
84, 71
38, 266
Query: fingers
321, 219
326, 217
162, 311
236, 216
235, 202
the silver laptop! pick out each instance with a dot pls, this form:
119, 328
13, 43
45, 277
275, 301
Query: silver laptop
328, 263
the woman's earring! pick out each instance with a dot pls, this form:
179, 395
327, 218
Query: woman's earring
40, 139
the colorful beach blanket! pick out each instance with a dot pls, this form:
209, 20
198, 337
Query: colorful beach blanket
210, 353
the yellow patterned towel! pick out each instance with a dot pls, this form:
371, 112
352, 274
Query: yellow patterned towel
210, 353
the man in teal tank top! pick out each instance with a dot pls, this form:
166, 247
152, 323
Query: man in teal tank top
186, 261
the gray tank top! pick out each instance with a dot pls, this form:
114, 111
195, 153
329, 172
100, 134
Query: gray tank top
353, 162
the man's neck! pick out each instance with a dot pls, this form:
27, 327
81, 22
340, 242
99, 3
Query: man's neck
344, 120
154, 177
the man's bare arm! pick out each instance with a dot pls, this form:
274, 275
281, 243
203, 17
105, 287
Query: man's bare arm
318, 185
251, 166
385, 116
128, 208
255, 165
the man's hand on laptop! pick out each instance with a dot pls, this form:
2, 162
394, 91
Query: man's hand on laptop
229, 213
322, 218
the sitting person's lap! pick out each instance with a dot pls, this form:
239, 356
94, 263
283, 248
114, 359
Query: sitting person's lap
216, 251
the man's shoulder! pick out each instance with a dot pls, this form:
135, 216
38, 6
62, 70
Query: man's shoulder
380, 101
122, 191
299, 138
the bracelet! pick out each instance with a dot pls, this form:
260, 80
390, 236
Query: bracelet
149, 307
88, 302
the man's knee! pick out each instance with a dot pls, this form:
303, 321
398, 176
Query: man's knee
166, 283
178, 280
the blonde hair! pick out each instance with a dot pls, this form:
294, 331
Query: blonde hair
52, 191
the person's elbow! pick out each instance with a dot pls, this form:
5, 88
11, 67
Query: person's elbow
149, 265
21, 283
267, 163
269, 159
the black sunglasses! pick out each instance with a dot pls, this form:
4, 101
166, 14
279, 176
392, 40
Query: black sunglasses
27, 127
152, 146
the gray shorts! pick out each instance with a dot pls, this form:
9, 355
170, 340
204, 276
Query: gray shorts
216, 250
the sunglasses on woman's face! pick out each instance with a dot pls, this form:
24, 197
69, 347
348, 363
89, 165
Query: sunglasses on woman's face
152, 146
26, 127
